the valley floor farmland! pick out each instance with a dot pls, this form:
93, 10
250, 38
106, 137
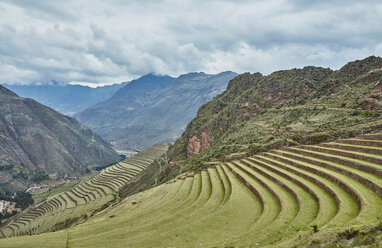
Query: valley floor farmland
271, 199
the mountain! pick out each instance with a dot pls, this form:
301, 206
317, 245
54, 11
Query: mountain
66, 99
153, 109
36, 141
258, 113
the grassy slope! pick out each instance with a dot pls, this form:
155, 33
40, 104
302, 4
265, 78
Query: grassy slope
240, 203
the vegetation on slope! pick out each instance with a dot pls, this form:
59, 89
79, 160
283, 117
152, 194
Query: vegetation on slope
286, 106
300, 106
36, 141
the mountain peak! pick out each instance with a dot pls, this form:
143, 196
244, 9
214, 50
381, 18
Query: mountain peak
5, 91
154, 76
192, 75
358, 67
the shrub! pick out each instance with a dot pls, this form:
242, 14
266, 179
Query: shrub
348, 234
379, 227
253, 149
356, 113
315, 228
23, 199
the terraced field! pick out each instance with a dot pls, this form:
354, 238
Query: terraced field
81, 200
271, 199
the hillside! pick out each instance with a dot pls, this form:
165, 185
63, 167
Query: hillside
258, 113
36, 140
305, 196
82, 201
66, 99
153, 109
299, 106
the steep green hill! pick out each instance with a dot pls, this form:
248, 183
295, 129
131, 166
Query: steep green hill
309, 105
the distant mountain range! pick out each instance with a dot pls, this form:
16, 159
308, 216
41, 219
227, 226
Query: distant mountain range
153, 109
67, 99
36, 140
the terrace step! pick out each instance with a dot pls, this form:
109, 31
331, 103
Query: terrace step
354, 148
366, 198
371, 137
289, 204
352, 159
322, 196
213, 198
360, 173
361, 142
307, 201
348, 208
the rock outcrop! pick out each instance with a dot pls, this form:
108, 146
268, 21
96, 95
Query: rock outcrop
198, 143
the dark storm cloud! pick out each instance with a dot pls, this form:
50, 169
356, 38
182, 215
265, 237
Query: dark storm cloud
103, 42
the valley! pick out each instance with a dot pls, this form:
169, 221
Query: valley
190, 124
39, 143
292, 159
81, 201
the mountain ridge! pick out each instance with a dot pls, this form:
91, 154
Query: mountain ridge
67, 99
138, 116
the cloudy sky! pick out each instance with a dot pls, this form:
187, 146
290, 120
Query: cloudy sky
104, 42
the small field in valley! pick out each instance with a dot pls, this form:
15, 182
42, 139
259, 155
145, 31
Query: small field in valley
283, 198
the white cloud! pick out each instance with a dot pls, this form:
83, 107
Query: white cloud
103, 42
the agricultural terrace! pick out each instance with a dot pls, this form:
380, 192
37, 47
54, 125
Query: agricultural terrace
271, 199
83, 200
